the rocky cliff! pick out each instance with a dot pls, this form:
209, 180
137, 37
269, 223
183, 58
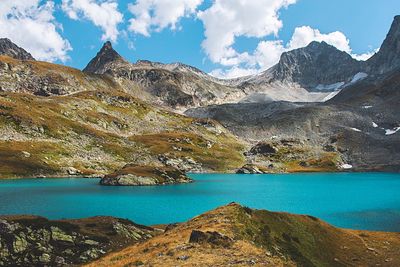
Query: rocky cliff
8, 48
388, 57
36, 241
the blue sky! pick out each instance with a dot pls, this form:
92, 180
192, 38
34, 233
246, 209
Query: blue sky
72, 31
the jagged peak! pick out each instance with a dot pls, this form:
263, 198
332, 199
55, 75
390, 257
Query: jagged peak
106, 55
8, 48
388, 57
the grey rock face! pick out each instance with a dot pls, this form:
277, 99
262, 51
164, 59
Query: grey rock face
318, 63
36, 241
8, 48
312, 66
106, 55
388, 57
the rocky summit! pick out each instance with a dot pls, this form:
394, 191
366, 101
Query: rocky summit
8, 48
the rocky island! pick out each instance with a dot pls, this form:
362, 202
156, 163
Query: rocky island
145, 175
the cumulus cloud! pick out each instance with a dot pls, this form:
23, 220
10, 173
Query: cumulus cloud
365, 56
31, 25
156, 15
103, 14
233, 72
227, 19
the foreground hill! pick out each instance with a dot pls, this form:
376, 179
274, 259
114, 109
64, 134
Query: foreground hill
36, 241
239, 236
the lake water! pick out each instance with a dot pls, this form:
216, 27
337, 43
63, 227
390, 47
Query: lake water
368, 201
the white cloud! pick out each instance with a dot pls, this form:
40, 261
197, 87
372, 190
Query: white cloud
233, 72
304, 35
227, 19
365, 56
31, 25
103, 14
156, 15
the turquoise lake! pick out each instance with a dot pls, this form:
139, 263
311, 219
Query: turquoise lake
368, 201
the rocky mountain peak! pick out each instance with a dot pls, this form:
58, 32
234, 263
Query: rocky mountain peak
104, 57
316, 64
388, 57
8, 48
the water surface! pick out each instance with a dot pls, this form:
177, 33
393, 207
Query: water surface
353, 200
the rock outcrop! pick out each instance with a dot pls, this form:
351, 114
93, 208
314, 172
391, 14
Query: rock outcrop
134, 175
388, 57
8, 48
36, 241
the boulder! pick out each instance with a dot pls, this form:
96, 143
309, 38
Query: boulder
262, 148
215, 239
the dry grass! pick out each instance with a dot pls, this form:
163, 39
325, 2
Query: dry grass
261, 238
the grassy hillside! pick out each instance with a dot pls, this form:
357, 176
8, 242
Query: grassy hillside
239, 236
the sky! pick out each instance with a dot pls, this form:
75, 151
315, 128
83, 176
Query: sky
226, 38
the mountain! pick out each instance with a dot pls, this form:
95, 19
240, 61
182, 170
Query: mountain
104, 58
358, 129
316, 66
233, 235
173, 85
8, 48
46, 79
388, 57
310, 74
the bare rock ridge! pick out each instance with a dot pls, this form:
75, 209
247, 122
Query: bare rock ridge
173, 85
8, 48
106, 55
315, 65
388, 57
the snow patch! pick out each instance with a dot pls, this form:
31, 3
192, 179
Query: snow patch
347, 166
374, 125
358, 77
392, 131
331, 95
329, 87
355, 129
366, 107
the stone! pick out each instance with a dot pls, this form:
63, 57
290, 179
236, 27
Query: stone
213, 238
58, 235
26, 154
262, 148
72, 171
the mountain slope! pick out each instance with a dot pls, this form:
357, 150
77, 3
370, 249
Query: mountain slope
388, 57
45, 79
239, 236
8, 48
360, 125
173, 85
